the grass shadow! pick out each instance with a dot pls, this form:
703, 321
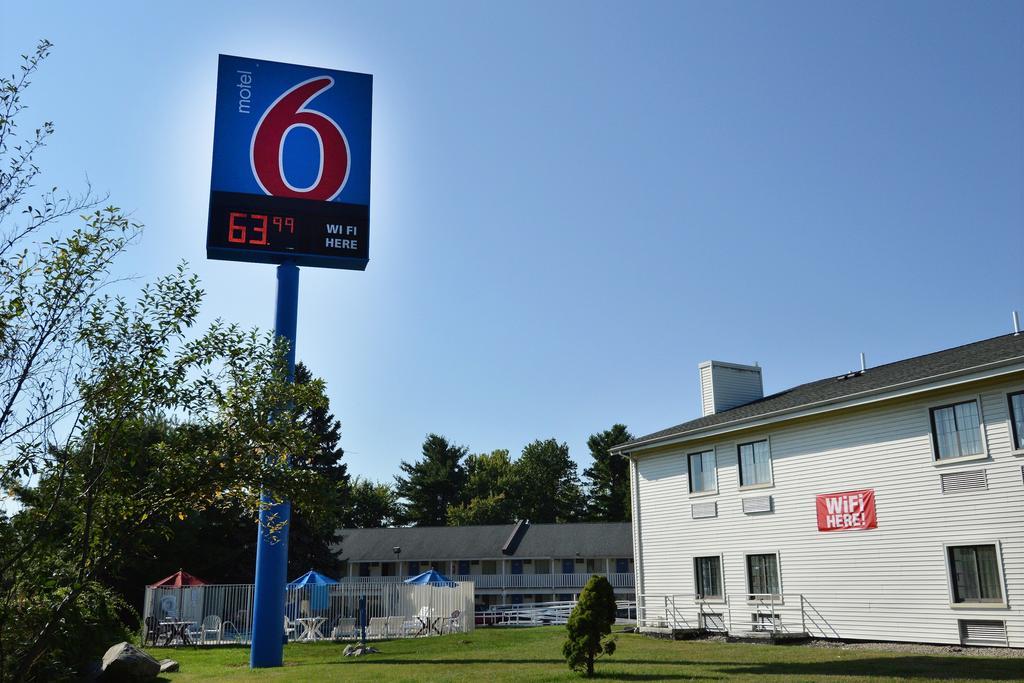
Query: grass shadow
941, 668
609, 676
371, 659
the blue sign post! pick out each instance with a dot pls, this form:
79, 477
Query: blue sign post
291, 186
271, 554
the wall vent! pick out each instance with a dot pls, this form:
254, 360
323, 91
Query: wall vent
982, 632
704, 510
968, 480
756, 504
713, 621
763, 621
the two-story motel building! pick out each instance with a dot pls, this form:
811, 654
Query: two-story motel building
519, 563
882, 504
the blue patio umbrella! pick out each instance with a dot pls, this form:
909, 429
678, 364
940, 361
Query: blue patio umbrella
311, 578
317, 584
430, 578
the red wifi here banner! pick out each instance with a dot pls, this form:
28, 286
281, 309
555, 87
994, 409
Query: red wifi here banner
846, 511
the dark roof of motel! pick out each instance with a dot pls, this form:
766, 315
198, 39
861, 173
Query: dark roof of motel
599, 539
889, 376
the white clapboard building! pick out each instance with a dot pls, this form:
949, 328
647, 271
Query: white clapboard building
882, 504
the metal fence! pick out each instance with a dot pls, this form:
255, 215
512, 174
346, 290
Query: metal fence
748, 613
547, 613
219, 614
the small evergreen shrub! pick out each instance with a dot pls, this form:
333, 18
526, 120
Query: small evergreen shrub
589, 624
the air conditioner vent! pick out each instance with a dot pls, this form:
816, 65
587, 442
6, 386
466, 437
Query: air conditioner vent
704, 510
982, 632
713, 621
765, 621
756, 504
968, 480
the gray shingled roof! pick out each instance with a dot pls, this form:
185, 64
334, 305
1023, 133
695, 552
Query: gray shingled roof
601, 539
892, 375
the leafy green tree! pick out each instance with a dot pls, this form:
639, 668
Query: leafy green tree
372, 505
433, 483
589, 624
489, 480
608, 476
219, 544
546, 486
79, 369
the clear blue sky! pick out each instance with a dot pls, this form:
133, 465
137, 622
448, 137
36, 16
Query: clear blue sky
575, 203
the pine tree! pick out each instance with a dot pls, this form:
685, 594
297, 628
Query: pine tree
309, 539
434, 483
609, 476
591, 620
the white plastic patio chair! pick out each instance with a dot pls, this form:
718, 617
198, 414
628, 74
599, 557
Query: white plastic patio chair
453, 623
289, 627
210, 627
345, 628
377, 628
396, 627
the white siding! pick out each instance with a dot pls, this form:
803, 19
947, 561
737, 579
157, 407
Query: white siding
889, 583
707, 394
727, 385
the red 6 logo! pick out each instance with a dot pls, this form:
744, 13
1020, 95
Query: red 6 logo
267, 148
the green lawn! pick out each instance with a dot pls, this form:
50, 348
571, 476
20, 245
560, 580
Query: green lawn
534, 654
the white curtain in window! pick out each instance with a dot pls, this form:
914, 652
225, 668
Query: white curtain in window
702, 471
762, 463
988, 573
968, 426
945, 432
755, 463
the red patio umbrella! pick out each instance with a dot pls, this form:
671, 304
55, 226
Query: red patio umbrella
178, 579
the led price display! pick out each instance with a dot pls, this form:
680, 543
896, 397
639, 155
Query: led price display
291, 171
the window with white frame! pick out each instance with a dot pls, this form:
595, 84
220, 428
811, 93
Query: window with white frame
755, 463
702, 472
974, 571
1017, 419
957, 430
708, 577
763, 574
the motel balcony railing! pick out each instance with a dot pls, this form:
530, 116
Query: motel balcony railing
541, 582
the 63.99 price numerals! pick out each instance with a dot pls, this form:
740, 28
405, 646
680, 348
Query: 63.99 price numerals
252, 228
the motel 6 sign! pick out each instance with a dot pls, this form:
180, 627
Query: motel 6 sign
291, 165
